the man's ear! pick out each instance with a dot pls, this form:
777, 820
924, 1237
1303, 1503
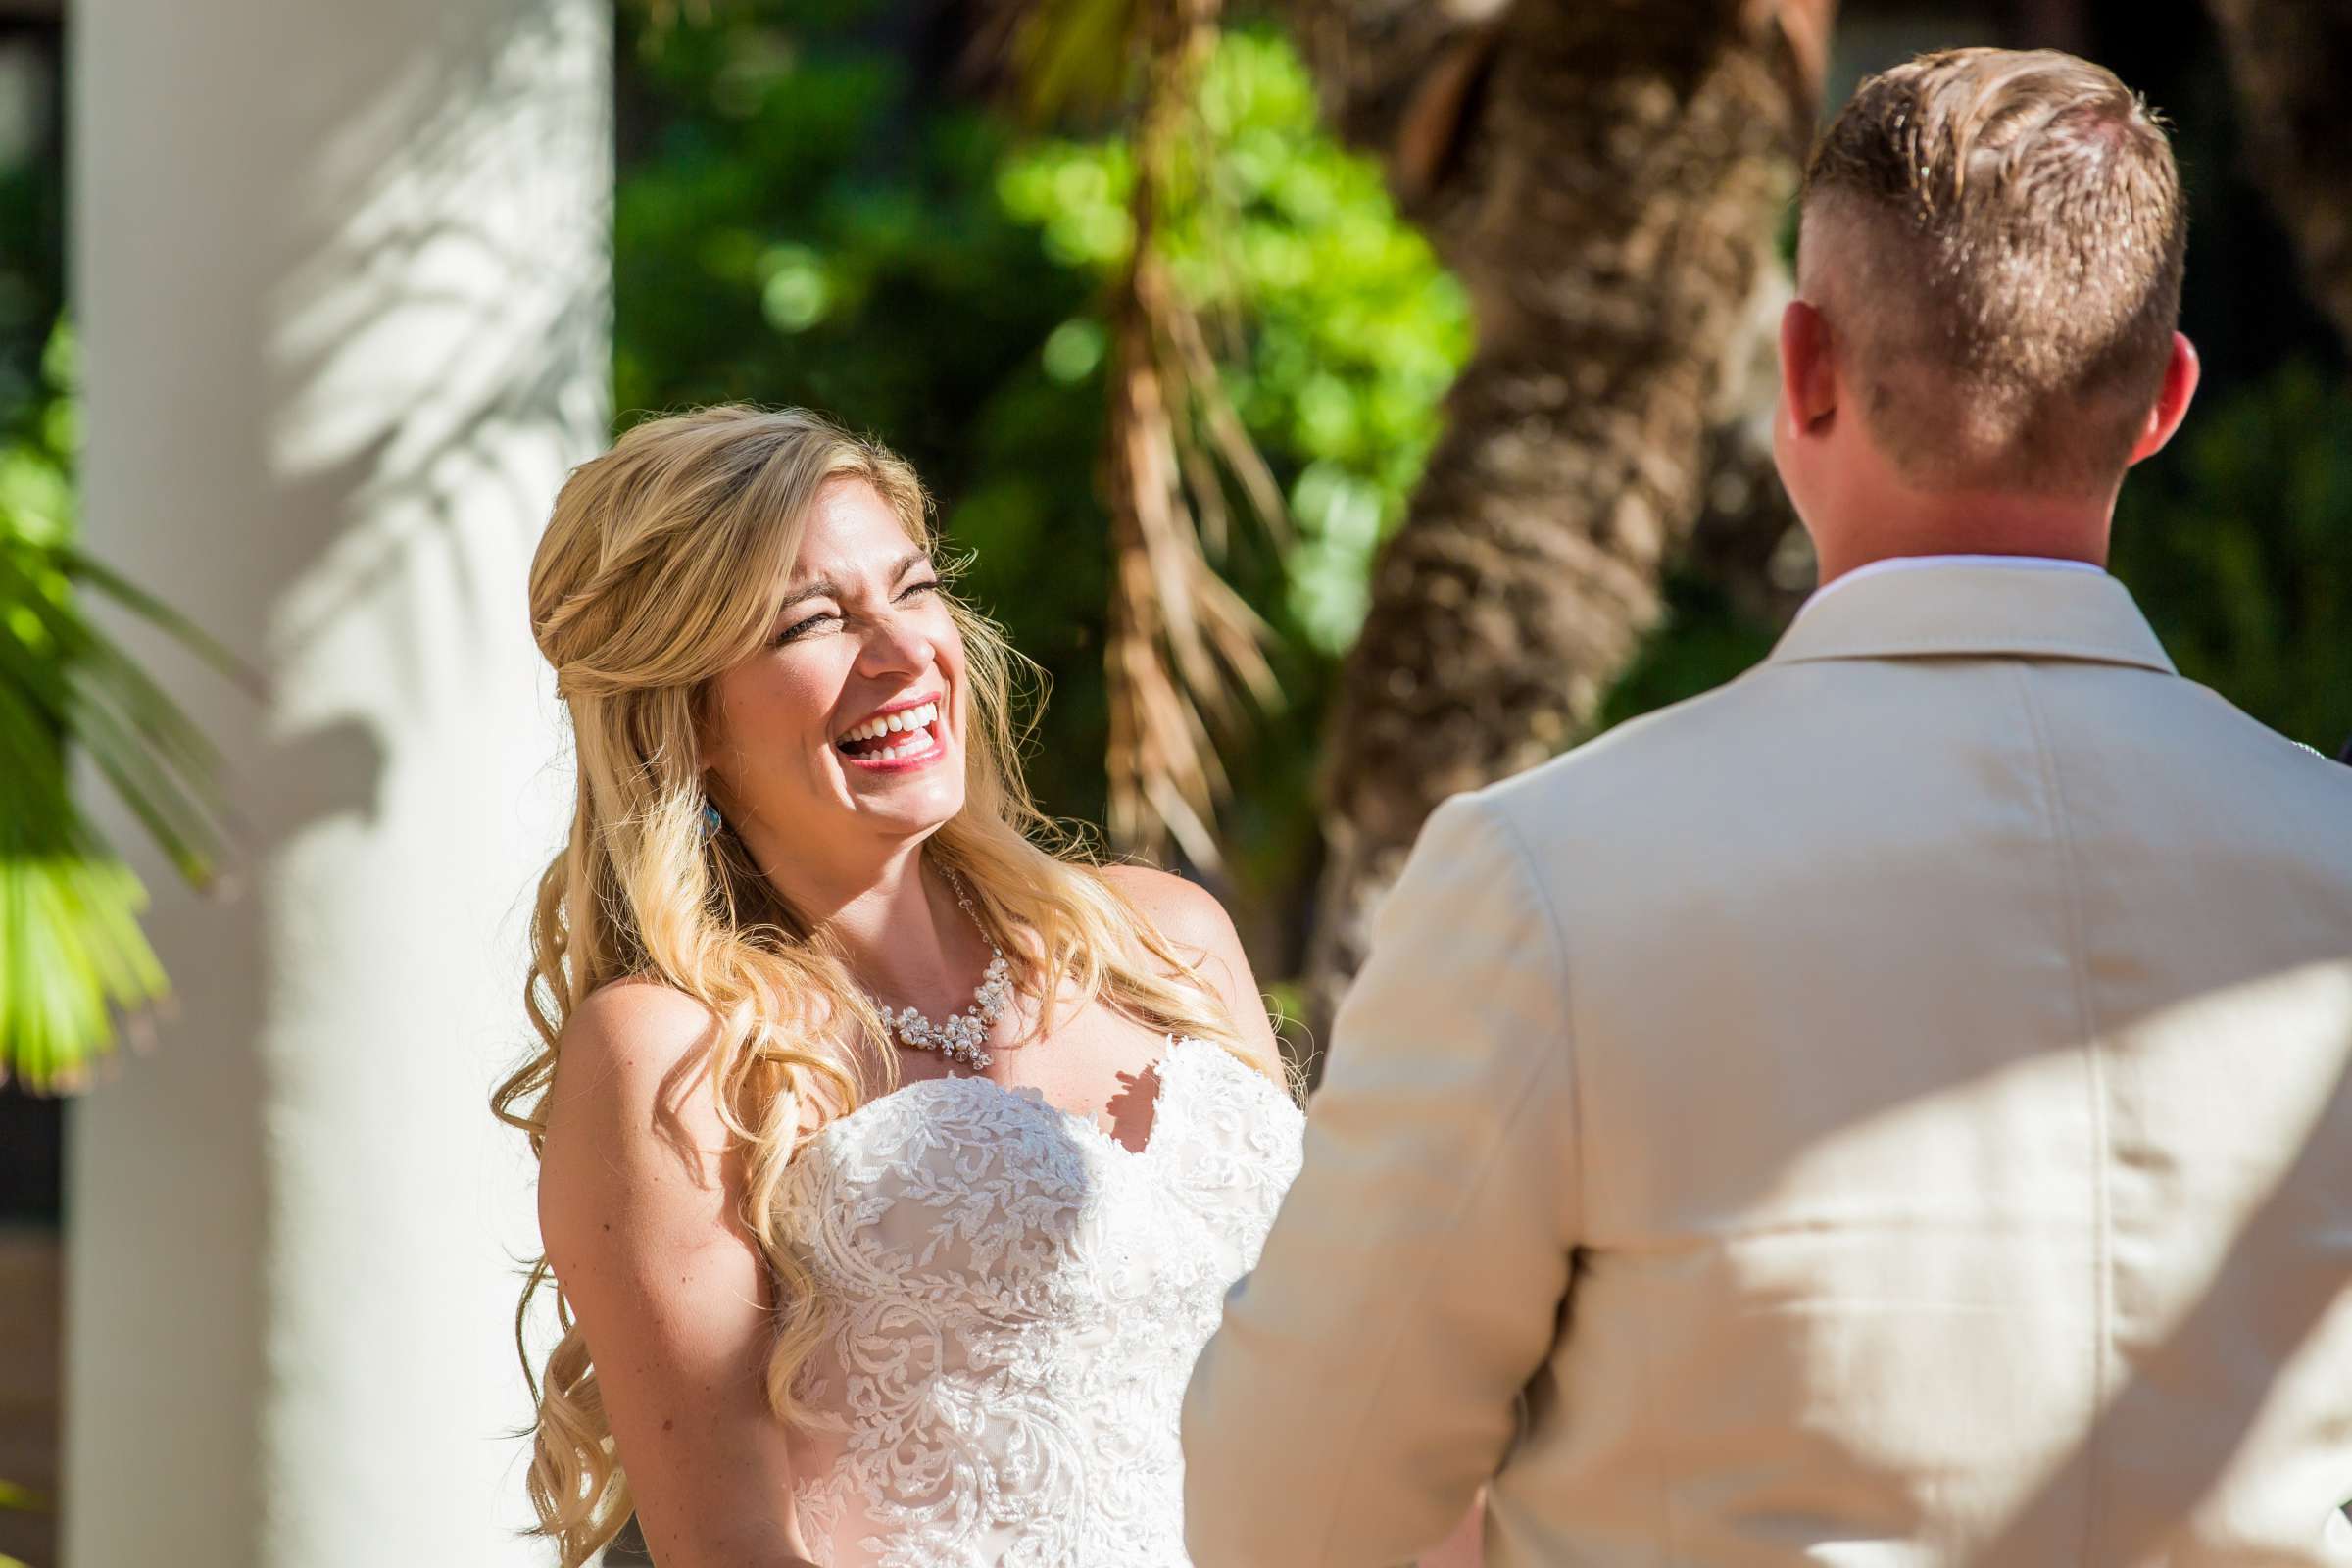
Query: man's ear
2181, 373
1809, 371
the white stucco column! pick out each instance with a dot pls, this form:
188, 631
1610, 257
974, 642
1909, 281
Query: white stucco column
341, 270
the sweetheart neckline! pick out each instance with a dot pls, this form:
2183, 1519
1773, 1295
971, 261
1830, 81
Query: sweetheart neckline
1035, 1095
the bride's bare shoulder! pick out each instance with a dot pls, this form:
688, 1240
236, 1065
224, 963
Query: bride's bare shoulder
632, 1059
637, 1000
629, 1028
1199, 931
1185, 912
628, 1085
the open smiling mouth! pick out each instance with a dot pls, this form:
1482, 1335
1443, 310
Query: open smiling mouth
910, 735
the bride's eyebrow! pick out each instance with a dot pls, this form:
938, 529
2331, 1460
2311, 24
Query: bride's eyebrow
822, 588
826, 588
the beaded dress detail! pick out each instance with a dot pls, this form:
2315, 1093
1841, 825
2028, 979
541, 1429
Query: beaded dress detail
1016, 1300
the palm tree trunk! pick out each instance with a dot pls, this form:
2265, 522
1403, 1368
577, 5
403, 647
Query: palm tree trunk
2290, 60
1606, 177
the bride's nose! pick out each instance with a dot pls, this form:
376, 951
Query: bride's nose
897, 646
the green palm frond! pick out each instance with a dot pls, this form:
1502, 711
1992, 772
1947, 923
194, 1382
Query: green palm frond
73, 956
1186, 654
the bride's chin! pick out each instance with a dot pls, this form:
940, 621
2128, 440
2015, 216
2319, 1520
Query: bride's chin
909, 810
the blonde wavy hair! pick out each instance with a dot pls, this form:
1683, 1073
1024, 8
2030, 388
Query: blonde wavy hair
661, 567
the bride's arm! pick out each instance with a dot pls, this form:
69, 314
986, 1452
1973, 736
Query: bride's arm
639, 1208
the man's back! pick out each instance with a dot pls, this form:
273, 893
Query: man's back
1960, 1008
1893, 1110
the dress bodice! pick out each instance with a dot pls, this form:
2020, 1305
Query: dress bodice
1016, 1300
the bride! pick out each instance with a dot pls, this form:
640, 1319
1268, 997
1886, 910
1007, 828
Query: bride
891, 1167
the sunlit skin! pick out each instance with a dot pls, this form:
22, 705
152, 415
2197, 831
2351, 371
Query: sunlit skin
862, 629
641, 1189
1858, 506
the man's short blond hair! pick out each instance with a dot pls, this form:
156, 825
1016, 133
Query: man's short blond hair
1996, 239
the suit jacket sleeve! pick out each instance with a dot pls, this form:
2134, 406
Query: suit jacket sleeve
1367, 1376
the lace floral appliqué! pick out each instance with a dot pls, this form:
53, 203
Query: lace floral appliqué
1016, 1304
1014, 1310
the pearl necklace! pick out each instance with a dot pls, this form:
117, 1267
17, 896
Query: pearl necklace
958, 1039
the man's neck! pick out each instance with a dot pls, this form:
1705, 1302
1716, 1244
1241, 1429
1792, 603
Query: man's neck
1969, 524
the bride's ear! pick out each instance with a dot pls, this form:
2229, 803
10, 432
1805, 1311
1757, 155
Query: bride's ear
698, 735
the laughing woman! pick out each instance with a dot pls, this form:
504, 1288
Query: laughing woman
894, 1160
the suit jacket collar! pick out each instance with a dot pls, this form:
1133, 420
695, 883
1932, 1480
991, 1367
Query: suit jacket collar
1976, 611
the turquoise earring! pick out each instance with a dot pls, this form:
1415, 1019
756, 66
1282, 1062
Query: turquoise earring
712, 820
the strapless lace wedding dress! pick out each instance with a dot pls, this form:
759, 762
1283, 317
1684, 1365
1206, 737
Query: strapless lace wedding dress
1016, 1303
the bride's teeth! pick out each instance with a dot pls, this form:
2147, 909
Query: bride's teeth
914, 723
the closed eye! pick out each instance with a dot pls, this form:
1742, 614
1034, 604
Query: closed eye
801, 628
794, 632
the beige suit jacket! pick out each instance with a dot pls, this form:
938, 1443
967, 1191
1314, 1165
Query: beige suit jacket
1892, 1109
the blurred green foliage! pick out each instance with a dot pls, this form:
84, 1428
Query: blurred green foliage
805, 218
1345, 332
73, 956
813, 210
1701, 640
72, 952
2237, 541
69, 942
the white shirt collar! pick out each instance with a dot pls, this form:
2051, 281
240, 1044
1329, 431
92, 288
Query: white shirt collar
1891, 564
